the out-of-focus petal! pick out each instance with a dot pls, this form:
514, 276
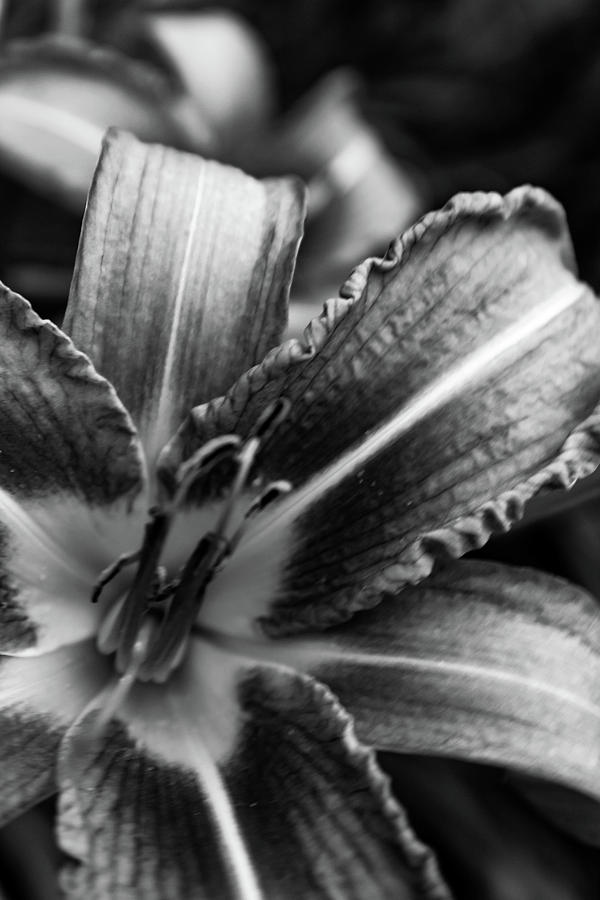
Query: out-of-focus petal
481, 662
188, 262
490, 843
359, 196
426, 406
71, 481
39, 700
251, 784
58, 97
224, 66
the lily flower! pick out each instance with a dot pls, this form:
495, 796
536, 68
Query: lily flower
213, 610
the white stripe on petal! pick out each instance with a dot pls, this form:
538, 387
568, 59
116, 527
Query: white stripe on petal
158, 432
481, 363
240, 871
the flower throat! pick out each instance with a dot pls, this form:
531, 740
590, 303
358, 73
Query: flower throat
148, 628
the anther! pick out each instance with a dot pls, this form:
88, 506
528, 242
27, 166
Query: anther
245, 460
159, 674
149, 627
196, 574
201, 462
155, 536
155, 532
127, 559
128, 617
214, 547
270, 419
270, 494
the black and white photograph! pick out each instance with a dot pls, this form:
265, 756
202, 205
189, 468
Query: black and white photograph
299, 450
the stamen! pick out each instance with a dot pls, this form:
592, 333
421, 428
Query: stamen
159, 674
135, 604
139, 651
108, 637
167, 590
126, 624
271, 493
201, 463
208, 554
196, 575
214, 547
245, 460
270, 419
106, 575
155, 533
128, 620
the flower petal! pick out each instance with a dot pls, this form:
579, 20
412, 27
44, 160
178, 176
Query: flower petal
39, 699
483, 662
57, 97
257, 790
189, 263
426, 406
71, 481
493, 845
223, 65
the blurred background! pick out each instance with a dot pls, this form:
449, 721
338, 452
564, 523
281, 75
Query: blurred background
386, 109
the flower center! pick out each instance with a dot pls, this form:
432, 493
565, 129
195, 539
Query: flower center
148, 628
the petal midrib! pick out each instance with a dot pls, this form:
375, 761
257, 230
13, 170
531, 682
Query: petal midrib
235, 856
330, 655
490, 358
158, 437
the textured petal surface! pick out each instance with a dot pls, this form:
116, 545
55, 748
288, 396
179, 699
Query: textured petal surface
188, 262
256, 790
39, 700
71, 480
425, 409
485, 663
